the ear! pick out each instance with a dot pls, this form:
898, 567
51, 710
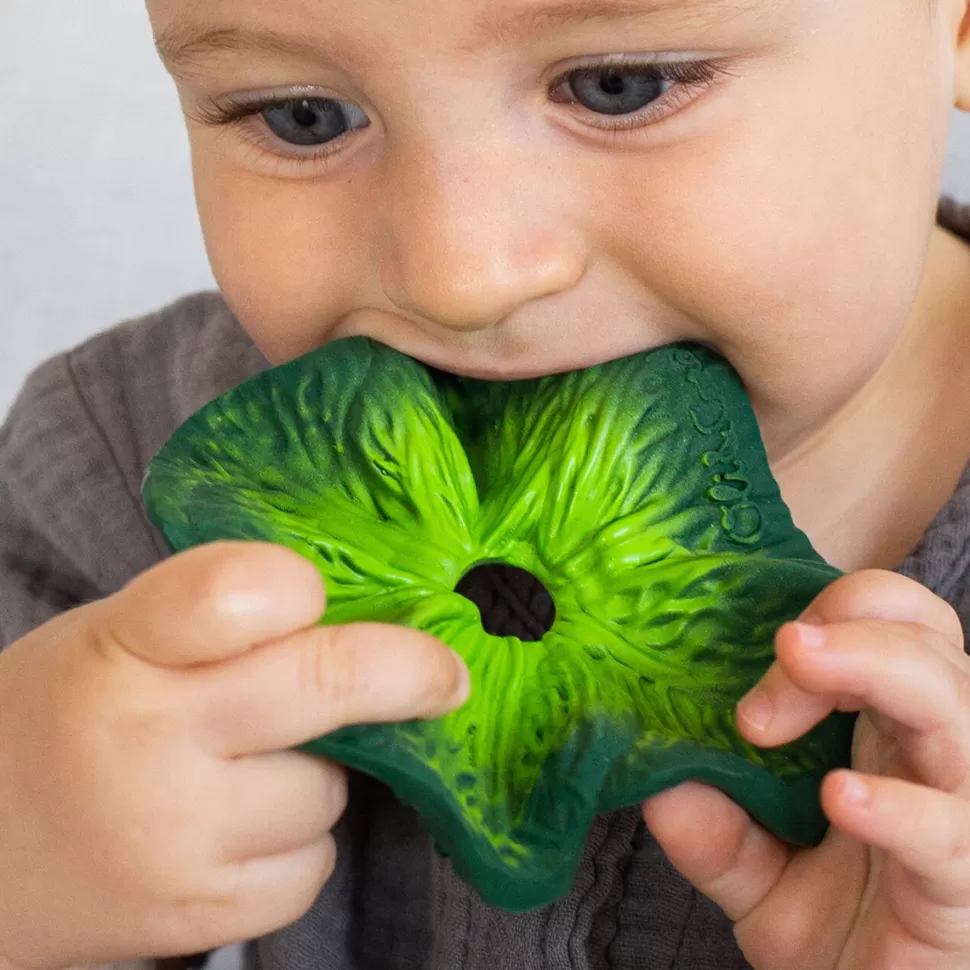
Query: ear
960, 22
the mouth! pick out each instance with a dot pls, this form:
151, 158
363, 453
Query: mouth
500, 358
501, 372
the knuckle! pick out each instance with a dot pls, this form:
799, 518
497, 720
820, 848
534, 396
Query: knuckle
330, 667
106, 637
945, 846
851, 588
880, 595
235, 569
344, 669
215, 591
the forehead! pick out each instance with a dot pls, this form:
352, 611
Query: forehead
478, 20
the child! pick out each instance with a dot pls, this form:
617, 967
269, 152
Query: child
507, 188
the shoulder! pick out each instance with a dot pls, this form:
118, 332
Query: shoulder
942, 560
143, 378
75, 444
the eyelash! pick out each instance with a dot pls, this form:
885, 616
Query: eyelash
685, 76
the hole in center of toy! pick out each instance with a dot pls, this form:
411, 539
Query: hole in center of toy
512, 602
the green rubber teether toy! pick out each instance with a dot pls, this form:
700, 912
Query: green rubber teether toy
639, 494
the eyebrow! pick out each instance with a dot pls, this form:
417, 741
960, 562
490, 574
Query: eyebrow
180, 45
580, 12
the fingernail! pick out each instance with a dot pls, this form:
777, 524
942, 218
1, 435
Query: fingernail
464, 678
756, 708
810, 635
855, 791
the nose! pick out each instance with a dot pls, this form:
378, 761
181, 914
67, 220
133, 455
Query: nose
471, 238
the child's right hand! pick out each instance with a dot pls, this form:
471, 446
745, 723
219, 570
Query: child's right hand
149, 802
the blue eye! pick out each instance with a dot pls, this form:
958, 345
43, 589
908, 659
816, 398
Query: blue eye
617, 91
313, 121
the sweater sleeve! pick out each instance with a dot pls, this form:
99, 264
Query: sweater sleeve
70, 530
74, 447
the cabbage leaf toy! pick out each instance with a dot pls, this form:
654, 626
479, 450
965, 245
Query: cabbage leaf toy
637, 492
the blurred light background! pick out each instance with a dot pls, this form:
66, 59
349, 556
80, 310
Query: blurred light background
97, 222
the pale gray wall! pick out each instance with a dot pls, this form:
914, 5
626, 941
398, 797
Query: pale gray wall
96, 216
956, 178
97, 221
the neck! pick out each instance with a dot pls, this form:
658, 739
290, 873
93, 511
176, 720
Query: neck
867, 485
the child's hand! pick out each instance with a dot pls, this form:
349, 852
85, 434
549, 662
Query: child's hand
148, 803
890, 885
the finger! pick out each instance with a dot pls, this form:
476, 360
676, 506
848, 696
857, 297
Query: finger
876, 594
891, 668
212, 603
255, 898
716, 846
820, 887
869, 594
328, 677
776, 710
276, 892
245, 901
280, 803
926, 830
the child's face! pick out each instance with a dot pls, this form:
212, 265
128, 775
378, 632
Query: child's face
479, 212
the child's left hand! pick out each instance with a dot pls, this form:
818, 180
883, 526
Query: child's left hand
889, 887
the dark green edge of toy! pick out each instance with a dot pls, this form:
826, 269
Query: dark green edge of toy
790, 808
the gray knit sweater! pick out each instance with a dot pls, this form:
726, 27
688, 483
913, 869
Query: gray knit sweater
72, 529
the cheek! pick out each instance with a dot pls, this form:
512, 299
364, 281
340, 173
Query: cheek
795, 244
285, 253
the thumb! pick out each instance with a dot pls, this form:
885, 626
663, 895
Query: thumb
212, 603
716, 846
